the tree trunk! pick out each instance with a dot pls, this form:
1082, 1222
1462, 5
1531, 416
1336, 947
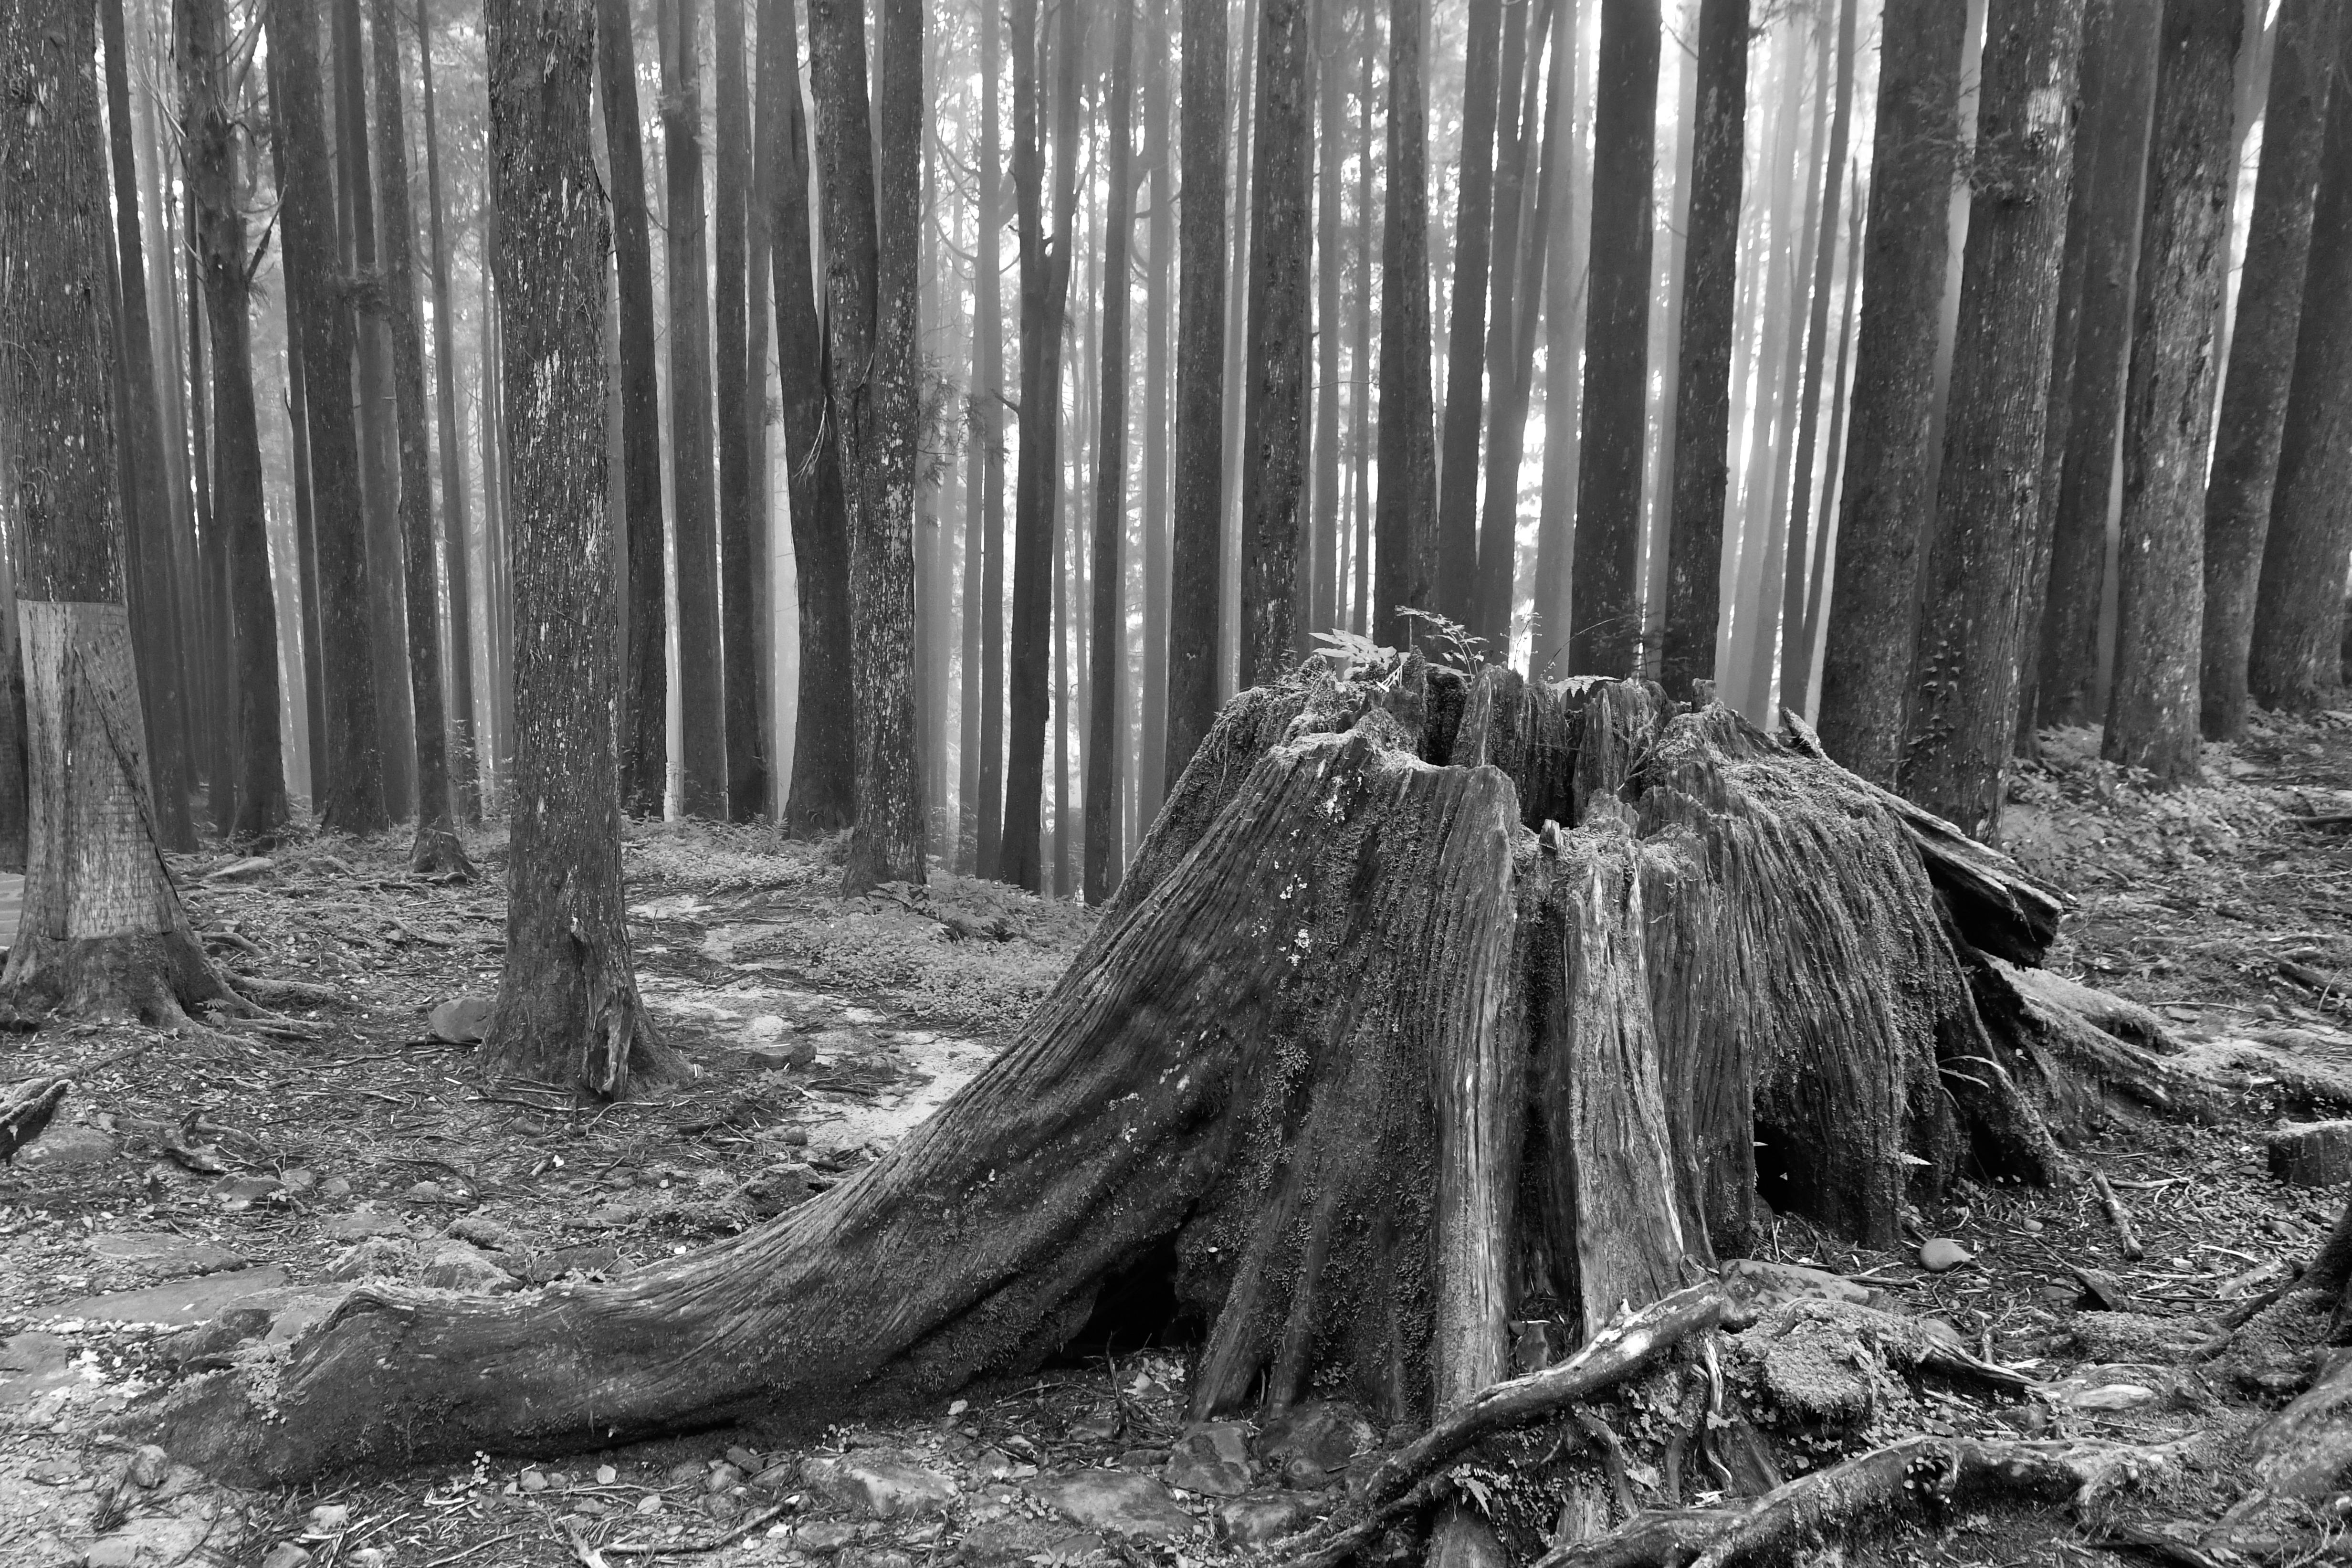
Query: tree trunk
1962, 719
823, 795
567, 1012
645, 685
465, 766
147, 507
2295, 661
319, 320
1466, 344
702, 721
1192, 589
1564, 296
1104, 859
1604, 615
1796, 645
208, 149
1735, 956
1322, 589
740, 412
775, 74
1702, 472
989, 358
2246, 450
436, 850
1273, 474
1231, 545
1405, 574
886, 844
102, 935
379, 478
1157, 435
2152, 716
1890, 465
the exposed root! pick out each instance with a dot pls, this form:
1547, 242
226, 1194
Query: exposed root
1622, 1350
1930, 1472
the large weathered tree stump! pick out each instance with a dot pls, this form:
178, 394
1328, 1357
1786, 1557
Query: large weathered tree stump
1431, 1003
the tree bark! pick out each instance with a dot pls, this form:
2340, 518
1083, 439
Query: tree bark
2246, 449
436, 850
567, 1011
147, 509
644, 684
1702, 473
375, 420
740, 412
989, 358
1456, 557
1105, 858
1274, 477
1193, 588
319, 318
465, 762
2295, 661
886, 843
1604, 632
702, 699
1363, 391
1405, 573
1737, 945
209, 153
1321, 591
823, 795
102, 935
1157, 435
1890, 465
2067, 688
1962, 718
2152, 716
1564, 295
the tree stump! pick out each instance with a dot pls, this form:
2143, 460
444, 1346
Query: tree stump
1431, 1002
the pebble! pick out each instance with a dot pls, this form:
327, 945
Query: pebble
1941, 1255
534, 1481
650, 1503
2031, 1227
328, 1517
606, 1475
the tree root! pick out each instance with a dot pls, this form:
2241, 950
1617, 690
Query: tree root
1832, 1504
1400, 1484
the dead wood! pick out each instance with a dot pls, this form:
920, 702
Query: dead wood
25, 1111
1932, 1472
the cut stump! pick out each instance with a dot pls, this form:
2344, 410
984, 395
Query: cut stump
1430, 1004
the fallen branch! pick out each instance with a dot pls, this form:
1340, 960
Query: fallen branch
2118, 1216
254, 988
1393, 1489
1831, 1504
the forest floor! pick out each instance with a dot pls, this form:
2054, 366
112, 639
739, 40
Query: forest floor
258, 1172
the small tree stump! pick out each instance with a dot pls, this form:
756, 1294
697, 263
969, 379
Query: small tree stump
2312, 1153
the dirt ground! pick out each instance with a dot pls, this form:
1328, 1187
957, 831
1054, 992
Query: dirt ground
258, 1172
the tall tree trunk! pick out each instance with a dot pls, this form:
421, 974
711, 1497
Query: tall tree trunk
2295, 661
1796, 649
1890, 464
1564, 284
645, 681
1963, 715
212, 559
497, 599
702, 697
465, 764
1330, 271
2152, 717
776, 73
306, 559
740, 402
376, 424
1273, 474
1405, 576
1231, 544
436, 849
823, 795
102, 935
1702, 471
887, 843
567, 1012
147, 509
1361, 391
2066, 686
2239, 496
1604, 615
209, 151
1497, 526
1193, 588
1105, 858
1159, 156
1466, 343
989, 358
320, 318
